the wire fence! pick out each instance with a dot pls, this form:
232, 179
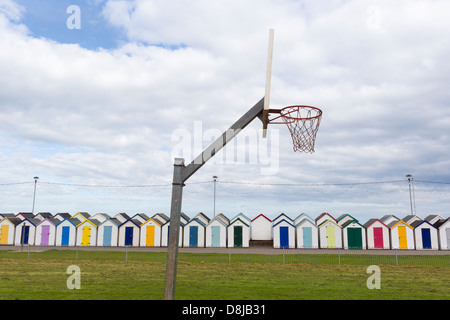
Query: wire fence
261, 255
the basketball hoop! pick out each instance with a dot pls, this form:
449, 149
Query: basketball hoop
303, 123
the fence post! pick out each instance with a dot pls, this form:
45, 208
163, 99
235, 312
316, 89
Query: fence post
283, 256
76, 258
229, 256
396, 258
339, 255
28, 251
126, 253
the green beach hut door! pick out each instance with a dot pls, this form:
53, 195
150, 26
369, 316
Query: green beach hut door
215, 236
354, 236
238, 236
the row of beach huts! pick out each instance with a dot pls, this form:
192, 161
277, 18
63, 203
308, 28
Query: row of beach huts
324, 231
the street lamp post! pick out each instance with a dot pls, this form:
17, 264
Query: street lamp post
412, 198
215, 179
34, 194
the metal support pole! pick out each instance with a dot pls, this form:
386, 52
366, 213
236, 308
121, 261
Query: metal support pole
34, 193
181, 173
174, 230
410, 198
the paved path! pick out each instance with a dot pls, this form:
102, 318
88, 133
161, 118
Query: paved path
249, 250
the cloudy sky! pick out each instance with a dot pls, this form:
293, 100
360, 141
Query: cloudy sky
97, 98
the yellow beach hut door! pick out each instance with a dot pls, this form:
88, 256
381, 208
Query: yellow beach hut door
402, 242
331, 241
4, 234
150, 238
86, 237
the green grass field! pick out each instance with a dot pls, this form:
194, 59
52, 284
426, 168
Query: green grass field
44, 277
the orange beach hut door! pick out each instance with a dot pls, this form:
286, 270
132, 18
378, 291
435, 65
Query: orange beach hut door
150, 237
402, 237
86, 237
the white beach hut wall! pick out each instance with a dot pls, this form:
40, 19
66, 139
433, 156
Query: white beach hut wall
108, 232
444, 233
377, 234
261, 228
216, 232
151, 233
402, 235
284, 234
26, 231
66, 232
8, 229
307, 234
46, 232
129, 233
87, 232
194, 233
239, 232
330, 234
426, 235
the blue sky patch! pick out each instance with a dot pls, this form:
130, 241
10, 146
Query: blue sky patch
49, 19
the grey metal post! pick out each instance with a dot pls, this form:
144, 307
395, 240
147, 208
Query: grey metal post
174, 230
181, 173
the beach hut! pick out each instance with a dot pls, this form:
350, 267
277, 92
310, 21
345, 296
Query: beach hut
122, 217
66, 232
389, 218
62, 215
243, 217
353, 235
164, 218
194, 233
343, 219
411, 218
324, 217
7, 215
377, 234
216, 231
444, 233
26, 231
202, 218
46, 232
129, 233
239, 232
165, 233
8, 229
100, 217
426, 235
81, 216
108, 232
261, 228
87, 232
141, 217
282, 217
43, 215
25, 215
301, 217
402, 235
151, 233
283, 234
307, 233
433, 218
330, 234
